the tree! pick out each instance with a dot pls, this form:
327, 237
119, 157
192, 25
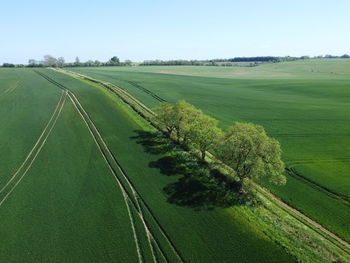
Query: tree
32, 62
77, 62
184, 115
8, 65
177, 118
127, 62
114, 60
97, 63
204, 133
251, 153
60, 62
165, 116
50, 61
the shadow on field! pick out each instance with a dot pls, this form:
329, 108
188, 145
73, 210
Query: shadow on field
200, 186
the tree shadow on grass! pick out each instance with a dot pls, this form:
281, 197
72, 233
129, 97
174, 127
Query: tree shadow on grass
154, 142
200, 186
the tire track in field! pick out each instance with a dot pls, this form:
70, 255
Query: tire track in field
127, 198
137, 196
122, 189
37, 153
36, 143
125, 195
152, 94
11, 89
345, 199
142, 88
307, 161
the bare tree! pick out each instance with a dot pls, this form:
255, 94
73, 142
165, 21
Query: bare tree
50, 61
32, 62
60, 62
77, 61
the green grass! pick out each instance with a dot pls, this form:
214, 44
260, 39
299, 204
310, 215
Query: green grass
219, 235
304, 104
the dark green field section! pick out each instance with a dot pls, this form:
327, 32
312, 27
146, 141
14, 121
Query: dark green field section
26, 104
184, 234
305, 105
67, 208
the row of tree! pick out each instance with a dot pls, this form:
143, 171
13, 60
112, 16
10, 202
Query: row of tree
50, 61
230, 61
245, 147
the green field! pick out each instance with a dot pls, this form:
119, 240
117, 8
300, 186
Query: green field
304, 104
85, 190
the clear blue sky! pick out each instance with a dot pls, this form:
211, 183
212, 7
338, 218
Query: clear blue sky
179, 29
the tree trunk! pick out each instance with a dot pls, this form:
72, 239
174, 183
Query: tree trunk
240, 187
178, 136
203, 155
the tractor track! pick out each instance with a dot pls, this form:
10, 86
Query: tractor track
317, 186
142, 88
53, 122
135, 198
36, 143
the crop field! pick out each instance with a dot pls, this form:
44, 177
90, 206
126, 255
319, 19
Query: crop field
79, 182
304, 104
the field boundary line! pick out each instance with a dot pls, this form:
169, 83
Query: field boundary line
36, 154
327, 234
35, 145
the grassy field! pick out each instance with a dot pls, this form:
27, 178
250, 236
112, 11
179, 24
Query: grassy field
304, 104
65, 204
302, 69
54, 207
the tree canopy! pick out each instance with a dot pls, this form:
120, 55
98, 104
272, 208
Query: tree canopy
204, 133
251, 153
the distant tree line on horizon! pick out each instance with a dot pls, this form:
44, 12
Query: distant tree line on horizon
50, 61
253, 61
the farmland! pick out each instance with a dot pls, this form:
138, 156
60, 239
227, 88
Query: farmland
304, 104
77, 185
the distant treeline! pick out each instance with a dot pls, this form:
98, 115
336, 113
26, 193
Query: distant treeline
250, 61
50, 61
